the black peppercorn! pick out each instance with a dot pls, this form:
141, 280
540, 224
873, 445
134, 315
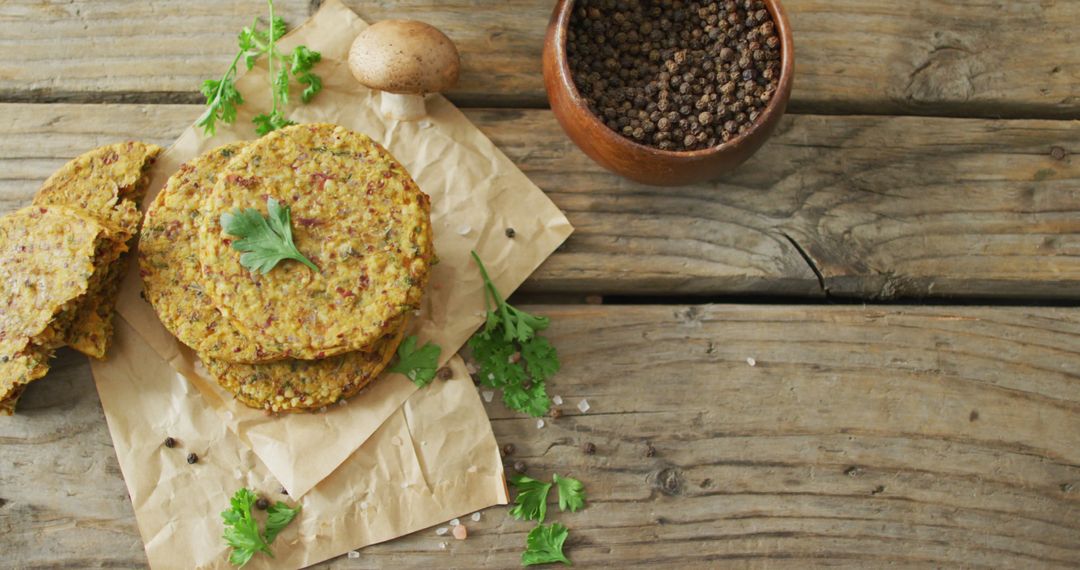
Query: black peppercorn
508, 449
192, 458
589, 448
444, 373
519, 466
262, 504
170, 442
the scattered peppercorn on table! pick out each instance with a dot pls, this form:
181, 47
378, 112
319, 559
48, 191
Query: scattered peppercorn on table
862, 348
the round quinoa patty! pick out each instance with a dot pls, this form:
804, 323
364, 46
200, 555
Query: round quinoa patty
356, 214
304, 385
170, 269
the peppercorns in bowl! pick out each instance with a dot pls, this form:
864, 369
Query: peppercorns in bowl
668, 92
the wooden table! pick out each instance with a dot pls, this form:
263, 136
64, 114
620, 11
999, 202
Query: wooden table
901, 264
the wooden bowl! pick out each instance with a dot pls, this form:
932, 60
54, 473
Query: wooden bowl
644, 163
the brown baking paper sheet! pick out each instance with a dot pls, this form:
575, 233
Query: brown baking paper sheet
476, 193
432, 459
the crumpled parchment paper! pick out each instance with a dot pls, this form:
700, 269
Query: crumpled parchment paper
394, 459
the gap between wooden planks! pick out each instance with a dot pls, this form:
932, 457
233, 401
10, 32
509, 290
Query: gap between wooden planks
908, 436
849, 206
928, 57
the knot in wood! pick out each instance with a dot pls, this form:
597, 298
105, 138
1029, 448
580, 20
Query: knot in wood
669, 481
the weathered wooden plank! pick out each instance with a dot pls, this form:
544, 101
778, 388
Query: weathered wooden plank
907, 436
952, 57
882, 207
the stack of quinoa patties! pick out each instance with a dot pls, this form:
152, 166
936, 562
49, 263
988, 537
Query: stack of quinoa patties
293, 338
61, 262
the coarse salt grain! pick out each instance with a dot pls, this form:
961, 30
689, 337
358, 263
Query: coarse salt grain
442, 530
476, 516
354, 554
404, 485
488, 395
751, 361
464, 230
539, 424
583, 405
442, 545
425, 124
557, 400
455, 522
363, 506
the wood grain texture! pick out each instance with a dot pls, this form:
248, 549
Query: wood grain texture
1013, 58
906, 436
868, 207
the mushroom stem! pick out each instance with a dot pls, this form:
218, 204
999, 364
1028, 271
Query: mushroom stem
402, 107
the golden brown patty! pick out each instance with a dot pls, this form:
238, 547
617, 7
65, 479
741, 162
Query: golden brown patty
92, 327
18, 371
299, 385
356, 214
106, 183
47, 262
7, 405
169, 264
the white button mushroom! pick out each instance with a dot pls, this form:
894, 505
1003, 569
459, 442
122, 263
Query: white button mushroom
404, 59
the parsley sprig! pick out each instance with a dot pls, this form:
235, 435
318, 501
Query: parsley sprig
264, 240
530, 504
511, 355
418, 364
571, 493
222, 97
242, 530
545, 543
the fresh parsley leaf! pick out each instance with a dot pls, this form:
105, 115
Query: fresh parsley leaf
278, 516
241, 529
255, 41
531, 500
222, 98
303, 59
419, 365
265, 241
252, 43
532, 400
314, 85
571, 493
278, 25
540, 358
545, 545
511, 355
267, 123
281, 86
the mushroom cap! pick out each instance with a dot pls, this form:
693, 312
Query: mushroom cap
404, 57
